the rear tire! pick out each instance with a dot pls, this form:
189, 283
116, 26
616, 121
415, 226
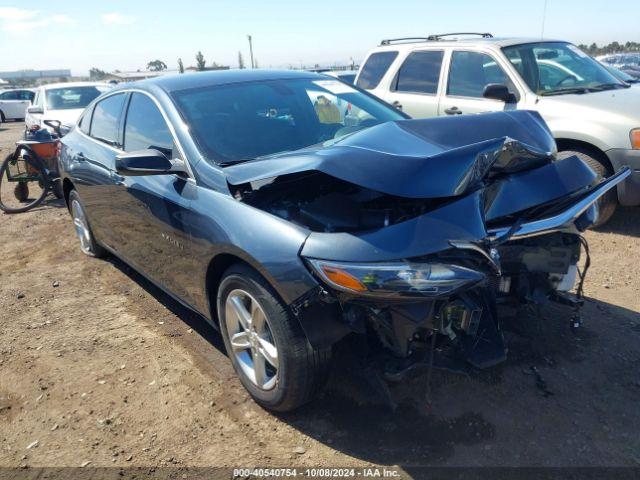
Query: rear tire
88, 243
301, 369
56, 188
608, 203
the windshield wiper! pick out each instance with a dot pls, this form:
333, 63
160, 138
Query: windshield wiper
565, 91
608, 86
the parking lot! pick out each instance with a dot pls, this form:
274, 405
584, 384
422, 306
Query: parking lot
99, 366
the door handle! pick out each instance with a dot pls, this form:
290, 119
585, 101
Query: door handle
81, 158
453, 111
397, 105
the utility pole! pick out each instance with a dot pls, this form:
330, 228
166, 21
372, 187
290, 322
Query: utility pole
251, 51
544, 18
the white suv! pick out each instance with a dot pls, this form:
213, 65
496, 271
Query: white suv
591, 113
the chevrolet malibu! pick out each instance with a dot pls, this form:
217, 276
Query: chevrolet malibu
292, 211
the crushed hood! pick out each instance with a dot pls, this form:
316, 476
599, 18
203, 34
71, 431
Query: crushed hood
431, 158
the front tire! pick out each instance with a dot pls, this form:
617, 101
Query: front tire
608, 203
266, 345
88, 243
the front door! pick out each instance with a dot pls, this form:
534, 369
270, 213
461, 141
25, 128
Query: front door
469, 72
152, 209
414, 88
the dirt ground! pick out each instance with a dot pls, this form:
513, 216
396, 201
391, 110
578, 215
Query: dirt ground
97, 365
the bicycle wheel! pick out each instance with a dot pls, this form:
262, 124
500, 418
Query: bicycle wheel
23, 183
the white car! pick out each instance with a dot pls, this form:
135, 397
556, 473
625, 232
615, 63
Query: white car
590, 112
14, 103
63, 102
347, 76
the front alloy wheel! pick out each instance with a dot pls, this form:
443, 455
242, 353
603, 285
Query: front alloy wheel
251, 339
269, 351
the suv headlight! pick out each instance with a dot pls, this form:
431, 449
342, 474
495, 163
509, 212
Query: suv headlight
397, 278
634, 135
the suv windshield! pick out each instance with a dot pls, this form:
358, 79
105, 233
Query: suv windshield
243, 121
554, 68
72, 97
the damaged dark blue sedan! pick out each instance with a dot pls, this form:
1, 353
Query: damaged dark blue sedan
294, 211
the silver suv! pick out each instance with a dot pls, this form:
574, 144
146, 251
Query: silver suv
591, 113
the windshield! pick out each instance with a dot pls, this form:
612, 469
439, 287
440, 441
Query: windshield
238, 122
620, 74
556, 67
72, 97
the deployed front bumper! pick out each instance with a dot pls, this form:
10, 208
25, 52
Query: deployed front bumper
628, 191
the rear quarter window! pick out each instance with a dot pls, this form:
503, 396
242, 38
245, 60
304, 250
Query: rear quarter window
374, 69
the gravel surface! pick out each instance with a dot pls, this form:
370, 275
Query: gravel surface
97, 365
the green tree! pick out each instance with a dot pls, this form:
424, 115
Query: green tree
156, 66
200, 62
240, 61
97, 74
180, 66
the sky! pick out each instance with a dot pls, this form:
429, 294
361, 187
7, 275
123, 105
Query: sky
126, 35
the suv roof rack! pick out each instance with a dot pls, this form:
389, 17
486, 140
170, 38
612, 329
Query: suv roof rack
431, 38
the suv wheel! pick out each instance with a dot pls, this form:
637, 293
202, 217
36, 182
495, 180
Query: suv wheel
268, 350
608, 203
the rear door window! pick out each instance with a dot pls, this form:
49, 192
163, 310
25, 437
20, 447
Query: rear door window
420, 72
106, 119
9, 96
145, 127
374, 69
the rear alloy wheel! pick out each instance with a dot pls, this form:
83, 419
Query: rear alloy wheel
267, 347
88, 244
608, 203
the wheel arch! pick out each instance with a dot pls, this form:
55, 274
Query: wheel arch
572, 144
216, 268
67, 186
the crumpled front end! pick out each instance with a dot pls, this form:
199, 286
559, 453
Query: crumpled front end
421, 248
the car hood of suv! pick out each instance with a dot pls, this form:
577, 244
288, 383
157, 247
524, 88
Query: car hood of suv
620, 106
431, 158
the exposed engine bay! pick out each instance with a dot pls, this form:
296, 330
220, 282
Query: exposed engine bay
323, 203
421, 253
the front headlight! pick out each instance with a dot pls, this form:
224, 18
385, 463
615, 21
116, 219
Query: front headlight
396, 279
634, 135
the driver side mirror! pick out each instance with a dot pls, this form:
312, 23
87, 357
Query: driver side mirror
35, 110
147, 162
498, 91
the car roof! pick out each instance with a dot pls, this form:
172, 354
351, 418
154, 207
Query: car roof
50, 86
172, 83
491, 41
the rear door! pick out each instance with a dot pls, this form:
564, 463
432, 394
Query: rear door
92, 149
467, 74
415, 86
